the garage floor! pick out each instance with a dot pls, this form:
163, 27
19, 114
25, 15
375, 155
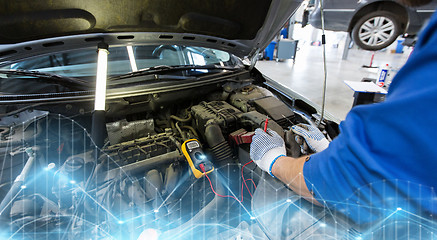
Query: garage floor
305, 76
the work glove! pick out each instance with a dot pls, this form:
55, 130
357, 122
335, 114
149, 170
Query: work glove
266, 148
312, 135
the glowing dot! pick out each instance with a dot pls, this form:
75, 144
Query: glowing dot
23, 187
252, 218
398, 208
50, 166
156, 210
358, 238
288, 200
149, 234
322, 224
73, 182
120, 222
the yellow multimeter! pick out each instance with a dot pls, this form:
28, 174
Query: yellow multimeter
194, 154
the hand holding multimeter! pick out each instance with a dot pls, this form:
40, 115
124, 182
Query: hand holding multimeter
198, 162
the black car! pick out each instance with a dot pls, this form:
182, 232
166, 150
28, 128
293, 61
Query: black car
373, 24
160, 150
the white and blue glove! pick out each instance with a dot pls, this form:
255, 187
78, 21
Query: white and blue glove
312, 135
266, 148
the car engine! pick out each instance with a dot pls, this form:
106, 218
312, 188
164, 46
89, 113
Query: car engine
55, 184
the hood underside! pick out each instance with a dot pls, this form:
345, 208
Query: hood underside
240, 27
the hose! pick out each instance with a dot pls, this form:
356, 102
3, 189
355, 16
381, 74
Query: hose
213, 135
181, 119
184, 137
220, 148
192, 130
325, 74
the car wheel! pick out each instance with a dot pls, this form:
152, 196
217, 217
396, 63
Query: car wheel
376, 30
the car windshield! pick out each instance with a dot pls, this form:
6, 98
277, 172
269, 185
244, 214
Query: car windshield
125, 59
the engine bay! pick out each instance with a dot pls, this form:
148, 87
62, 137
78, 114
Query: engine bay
140, 183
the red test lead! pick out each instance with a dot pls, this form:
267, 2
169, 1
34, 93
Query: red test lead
202, 167
265, 124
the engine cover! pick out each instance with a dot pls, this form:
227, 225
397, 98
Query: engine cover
276, 109
221, 112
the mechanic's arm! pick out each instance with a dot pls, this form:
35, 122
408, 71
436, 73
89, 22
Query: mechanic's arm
268, 152
289, 171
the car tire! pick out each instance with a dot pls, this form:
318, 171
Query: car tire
376, 30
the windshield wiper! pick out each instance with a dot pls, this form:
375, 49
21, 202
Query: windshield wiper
116, 81
49, 76
166, 68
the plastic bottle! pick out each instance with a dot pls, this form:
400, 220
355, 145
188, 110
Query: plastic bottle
391, 73
382, 76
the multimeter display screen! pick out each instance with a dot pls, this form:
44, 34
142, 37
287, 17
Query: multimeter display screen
192, 145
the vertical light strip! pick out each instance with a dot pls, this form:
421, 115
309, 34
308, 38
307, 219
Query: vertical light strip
102, 67
133, 64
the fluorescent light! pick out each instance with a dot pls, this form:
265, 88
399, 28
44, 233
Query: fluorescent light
102, 67
133, 64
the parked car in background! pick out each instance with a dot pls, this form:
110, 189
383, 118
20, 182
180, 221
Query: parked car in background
372, 24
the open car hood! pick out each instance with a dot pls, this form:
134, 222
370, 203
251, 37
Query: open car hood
240, 27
